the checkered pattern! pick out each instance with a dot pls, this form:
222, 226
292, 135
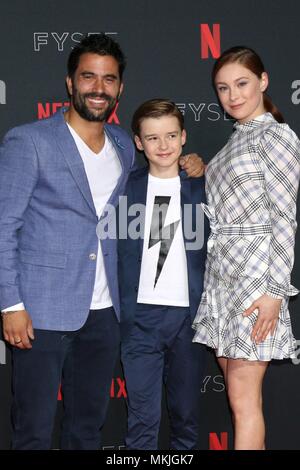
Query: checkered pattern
252, 186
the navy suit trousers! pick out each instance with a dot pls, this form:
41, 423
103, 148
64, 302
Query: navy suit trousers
83, 362
159, 350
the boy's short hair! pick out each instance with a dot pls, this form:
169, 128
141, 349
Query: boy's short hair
155, 108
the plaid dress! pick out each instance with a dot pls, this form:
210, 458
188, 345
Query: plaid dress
252, 186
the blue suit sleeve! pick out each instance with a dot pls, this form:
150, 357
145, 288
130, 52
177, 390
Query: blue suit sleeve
18, 177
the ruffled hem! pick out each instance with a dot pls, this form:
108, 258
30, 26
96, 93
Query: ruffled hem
229, 333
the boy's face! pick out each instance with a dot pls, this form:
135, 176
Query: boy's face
161, 139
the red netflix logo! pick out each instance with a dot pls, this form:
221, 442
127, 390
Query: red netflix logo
117, 389
210, 40
46, 110
216, 443
113, 118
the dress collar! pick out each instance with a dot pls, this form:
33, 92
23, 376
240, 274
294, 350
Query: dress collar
254, 123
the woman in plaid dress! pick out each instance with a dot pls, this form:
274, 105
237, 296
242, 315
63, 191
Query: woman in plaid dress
252, 186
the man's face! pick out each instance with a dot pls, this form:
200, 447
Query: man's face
95, 87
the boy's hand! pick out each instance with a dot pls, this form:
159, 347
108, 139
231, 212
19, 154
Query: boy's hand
192, 164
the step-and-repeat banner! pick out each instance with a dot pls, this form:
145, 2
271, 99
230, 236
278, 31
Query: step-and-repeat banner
170, 46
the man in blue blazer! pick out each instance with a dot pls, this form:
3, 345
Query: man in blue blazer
161, 267
58, 284
55, 177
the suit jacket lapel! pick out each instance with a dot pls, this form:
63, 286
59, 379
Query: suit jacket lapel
119, 148
140, 195
74, 161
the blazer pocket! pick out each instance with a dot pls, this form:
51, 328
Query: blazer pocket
52, 260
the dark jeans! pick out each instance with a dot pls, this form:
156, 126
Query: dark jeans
160, 350
83, 362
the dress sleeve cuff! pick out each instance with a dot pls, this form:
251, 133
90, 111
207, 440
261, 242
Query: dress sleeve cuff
278, 291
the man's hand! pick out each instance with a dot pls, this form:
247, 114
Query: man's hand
17, 329
192, 164
268, 313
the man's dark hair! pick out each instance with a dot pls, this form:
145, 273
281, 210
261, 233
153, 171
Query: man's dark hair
100, 44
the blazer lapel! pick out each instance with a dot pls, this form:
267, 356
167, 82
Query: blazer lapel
140, 196
74, 161
119, 148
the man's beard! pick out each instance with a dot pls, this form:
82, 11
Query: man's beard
78, 102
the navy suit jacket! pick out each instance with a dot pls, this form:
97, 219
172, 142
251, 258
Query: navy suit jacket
48, 221
130, 251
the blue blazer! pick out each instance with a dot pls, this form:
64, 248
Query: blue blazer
48, 223
130, 251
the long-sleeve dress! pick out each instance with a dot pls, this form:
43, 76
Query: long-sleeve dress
252, 186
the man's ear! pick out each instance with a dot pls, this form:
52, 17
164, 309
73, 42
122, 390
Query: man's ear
138, 143
69, 85
183, 137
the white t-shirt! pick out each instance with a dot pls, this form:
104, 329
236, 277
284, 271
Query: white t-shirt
163, 278
103, 171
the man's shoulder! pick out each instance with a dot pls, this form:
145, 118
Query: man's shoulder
31, 128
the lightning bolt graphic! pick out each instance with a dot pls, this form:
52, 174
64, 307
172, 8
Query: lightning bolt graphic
159, 233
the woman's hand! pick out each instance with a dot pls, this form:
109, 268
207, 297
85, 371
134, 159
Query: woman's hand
268, 313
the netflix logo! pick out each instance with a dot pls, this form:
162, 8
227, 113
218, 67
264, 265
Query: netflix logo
45, 110
218, 442
117, 389
210, 41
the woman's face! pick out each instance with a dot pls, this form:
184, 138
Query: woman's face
240, 91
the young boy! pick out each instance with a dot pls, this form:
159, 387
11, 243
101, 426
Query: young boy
161, 278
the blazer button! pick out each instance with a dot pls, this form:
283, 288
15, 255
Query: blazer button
136, 288
92, 256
